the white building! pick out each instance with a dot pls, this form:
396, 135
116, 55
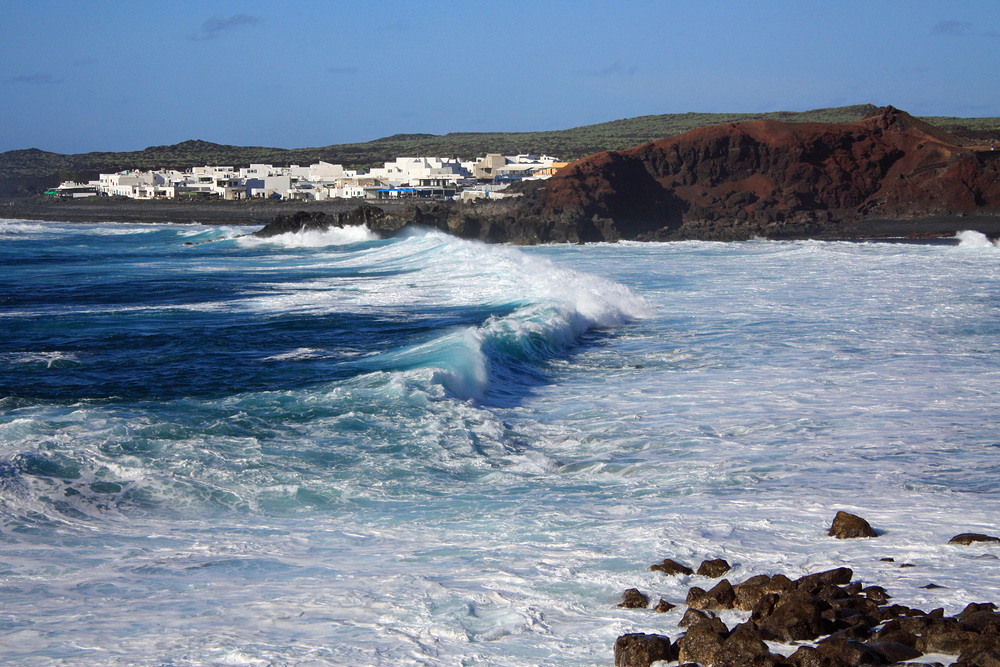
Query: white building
421, 171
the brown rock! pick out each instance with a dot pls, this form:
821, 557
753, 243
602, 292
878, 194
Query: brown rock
669, 566
893, 652
641, 650
713, 568
966, 539
976, 607
702, 643
979, 656
692, 616
721, 596
983, 622
850, 653
634, 599
695, 596
744, 648
876, 594
847, 526
946, 635
663, 606
835, 577
748, 596
808, 656
796, 616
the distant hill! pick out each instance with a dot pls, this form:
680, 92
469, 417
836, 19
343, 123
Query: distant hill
32, 170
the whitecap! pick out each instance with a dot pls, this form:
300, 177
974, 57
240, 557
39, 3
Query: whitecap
973, 239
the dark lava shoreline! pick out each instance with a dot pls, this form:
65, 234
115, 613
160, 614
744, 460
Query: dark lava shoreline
263, 212
209, 212
826, 618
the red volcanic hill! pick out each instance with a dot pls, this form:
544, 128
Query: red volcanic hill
771, 178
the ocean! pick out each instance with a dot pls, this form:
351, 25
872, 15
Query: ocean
331, 448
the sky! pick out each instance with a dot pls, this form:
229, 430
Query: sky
81, 76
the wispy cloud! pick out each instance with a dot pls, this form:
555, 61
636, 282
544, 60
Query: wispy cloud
616, 69
217, 25
952, 28
343, 70
41, 79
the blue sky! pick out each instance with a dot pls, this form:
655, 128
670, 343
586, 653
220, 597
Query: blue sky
89, 76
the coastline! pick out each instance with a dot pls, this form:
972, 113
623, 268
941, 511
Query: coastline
262, 212
210, 212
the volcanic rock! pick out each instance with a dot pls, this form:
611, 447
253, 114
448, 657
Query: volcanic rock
846, 525
641, 650
692, 616
663, 606
796, 615
766, 178
670, 566
966, 539
713, 568
634, 599
302, 221
702, 642
721, 596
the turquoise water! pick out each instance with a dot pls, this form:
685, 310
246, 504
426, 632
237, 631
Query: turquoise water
339, 449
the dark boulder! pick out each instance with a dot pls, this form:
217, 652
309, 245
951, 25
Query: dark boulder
846, 525
669, 566
979, 656
849, 653
634, 599
721, 596
692, 616
796, 615
641, 650
663, 606
744, 648
947, 635
893, 652
713, 568
703, 641
966, 539
836, 577
876, 594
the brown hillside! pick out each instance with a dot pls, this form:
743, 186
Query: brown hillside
767, 173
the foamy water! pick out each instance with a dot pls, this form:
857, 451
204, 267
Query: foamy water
427, 451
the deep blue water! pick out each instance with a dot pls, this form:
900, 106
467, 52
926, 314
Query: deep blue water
339, 449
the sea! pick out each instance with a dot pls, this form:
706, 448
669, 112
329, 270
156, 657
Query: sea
331, 448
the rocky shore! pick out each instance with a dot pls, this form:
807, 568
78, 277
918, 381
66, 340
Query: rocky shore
823, 619
208, 212
889, 175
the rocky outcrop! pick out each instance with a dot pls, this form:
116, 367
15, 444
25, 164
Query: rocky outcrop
774, 179
846, 526
844, 620
713, 568
641, 650
670, 566
887, 174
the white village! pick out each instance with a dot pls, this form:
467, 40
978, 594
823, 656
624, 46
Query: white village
405, 177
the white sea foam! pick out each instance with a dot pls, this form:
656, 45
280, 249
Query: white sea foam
974, 239
47, 359
334, 236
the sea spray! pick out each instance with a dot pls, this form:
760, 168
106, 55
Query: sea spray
974, 239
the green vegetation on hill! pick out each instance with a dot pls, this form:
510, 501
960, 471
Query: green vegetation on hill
32, 170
